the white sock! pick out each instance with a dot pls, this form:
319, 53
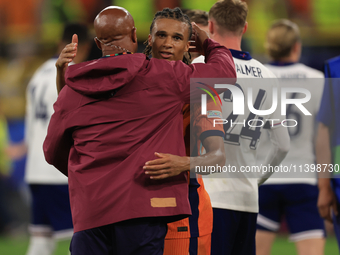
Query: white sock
41, 245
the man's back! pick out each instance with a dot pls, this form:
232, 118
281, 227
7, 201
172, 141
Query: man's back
303, 134
118, 134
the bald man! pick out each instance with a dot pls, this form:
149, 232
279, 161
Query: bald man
113, 24
114, 113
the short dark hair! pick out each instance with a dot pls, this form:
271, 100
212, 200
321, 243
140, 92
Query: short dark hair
75, 28
198, 16
230, 14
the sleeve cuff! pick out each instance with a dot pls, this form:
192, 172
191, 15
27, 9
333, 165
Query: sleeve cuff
208, 133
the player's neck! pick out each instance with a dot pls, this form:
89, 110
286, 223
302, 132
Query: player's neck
294, 55
289, 59
231, 42
111, 52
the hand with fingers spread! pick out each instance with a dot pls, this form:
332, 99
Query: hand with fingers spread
199, 36
66, 56
167, 165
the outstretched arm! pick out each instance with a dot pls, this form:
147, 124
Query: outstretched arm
326, 200
168, 165
66, 56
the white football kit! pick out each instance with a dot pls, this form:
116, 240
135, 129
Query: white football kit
40, 95
242, 135
295, 194
300, 157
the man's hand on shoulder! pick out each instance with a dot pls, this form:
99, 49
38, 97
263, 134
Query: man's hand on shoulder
199, 36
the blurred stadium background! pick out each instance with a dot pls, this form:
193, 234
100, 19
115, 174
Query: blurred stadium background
30, 30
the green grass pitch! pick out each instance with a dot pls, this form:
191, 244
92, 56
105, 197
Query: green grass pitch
18, 246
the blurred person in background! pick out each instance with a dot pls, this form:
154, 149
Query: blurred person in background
235, 198
328, 146
6, 218
199, 17
51, 213
294, 198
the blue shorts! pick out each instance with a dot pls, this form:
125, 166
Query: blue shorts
233, 232
298, 203
51, 212
144, 236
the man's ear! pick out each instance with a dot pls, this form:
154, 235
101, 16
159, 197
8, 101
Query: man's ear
245, 28
150, 40
134, 35
297, 47
187, 46
296, 51
99, 45
211, 27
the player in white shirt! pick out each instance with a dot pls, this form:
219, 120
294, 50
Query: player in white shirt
51, 214
234, 197
294, 195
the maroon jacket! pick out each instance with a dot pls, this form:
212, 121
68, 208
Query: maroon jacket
111, 118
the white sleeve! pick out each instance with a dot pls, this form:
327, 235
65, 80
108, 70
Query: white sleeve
280, 146
29, 115
199, 59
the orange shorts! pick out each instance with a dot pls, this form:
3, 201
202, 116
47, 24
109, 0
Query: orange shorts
181, 246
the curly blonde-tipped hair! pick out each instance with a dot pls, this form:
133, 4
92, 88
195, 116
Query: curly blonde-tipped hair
281, 38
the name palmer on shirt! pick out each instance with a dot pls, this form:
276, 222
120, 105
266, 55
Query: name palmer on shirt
249, 70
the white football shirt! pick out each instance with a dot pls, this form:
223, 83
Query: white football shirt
301, 155
240, 191
41, 94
